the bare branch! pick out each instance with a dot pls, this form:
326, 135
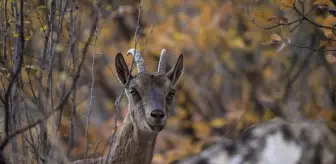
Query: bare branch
73, 98
91, 92
64, 99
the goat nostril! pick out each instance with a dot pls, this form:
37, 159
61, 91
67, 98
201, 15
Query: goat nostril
157, 114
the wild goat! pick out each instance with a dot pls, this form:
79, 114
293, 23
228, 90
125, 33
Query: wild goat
273, 142
150, 99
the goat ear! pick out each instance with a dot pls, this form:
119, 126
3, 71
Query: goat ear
175, 73
122, 69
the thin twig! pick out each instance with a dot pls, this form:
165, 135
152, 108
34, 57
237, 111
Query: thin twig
91, 93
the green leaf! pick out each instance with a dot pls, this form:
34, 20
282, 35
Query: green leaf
43, 28
15, 35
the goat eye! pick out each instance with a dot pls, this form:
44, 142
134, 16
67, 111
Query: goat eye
132, 91
134, 94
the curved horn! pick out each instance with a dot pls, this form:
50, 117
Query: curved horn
162, 62
138, 59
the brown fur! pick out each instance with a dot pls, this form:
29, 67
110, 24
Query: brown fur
146, 92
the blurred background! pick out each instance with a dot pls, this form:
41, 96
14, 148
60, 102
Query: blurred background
246, 61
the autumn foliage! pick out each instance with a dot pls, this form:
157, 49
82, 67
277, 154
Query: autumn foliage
245, 61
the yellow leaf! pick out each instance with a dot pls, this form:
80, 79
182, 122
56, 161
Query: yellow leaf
264, 13
319, 19
286, 4
329, 22
202, 130
275, 37
217, 123
322, 3
201, 39
237, 43
205, 16
323, 43
276, 2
